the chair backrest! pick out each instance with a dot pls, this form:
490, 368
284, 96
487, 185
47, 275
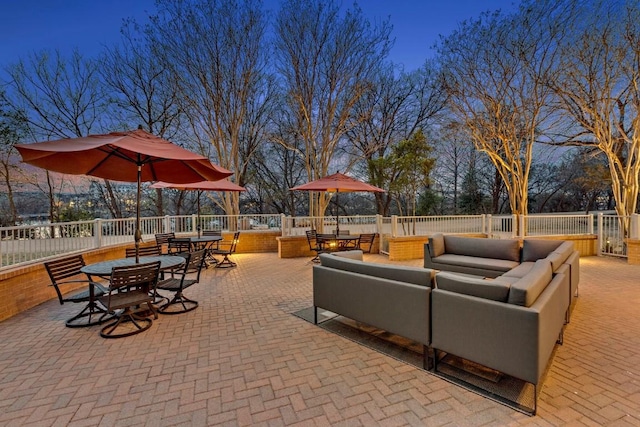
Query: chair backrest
342, 232
179, 244
367, 239
162, 239
141, 276
211, 233
234, 243
148, 250
193, 264
61, 269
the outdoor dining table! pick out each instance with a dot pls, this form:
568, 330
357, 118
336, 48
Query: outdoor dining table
206, 243
103, 268
339, 242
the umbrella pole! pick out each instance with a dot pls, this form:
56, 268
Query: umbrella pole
198, 223
337, 213
138, 233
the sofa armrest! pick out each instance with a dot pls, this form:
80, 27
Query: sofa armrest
512, 339
397, 307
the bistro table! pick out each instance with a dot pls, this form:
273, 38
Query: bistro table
338, 242
206, 243
103, 269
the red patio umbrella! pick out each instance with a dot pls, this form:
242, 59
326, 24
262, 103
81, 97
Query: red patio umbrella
338, 183
130, 156
221, 185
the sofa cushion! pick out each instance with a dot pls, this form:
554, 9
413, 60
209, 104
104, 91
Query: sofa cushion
506, 280
414, 275
560, 255
436, 245
507, 249
477, 262
526, 290
520, 271
534, 249
474, 286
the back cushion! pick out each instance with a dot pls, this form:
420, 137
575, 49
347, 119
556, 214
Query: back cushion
414, 275
526, 290
436, 245
477, 287
507, 249
533, 249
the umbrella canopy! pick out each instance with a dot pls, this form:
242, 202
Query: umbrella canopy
115, 156
221, 185
338, 183
131, 156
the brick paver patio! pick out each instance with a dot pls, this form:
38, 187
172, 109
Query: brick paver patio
241, 358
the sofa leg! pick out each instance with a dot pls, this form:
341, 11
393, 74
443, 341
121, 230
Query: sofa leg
560, 340
315, 315
427, 358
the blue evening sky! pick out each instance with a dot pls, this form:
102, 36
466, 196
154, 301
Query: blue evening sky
32, 25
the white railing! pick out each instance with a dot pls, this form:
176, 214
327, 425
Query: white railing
33, 242
426, 225
612, 233
358, 224
550, 225
28, 243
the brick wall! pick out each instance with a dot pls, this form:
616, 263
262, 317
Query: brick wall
22, 288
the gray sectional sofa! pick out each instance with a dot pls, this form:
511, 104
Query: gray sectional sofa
493, 302
501, 257
395, 299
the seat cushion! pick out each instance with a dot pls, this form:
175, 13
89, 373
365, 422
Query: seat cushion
520, 271
474, 286
477, 262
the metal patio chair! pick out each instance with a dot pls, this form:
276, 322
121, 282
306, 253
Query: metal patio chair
66, 271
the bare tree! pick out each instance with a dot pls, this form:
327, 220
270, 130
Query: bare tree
11, 129
57, 97
326, 60
217, 54
496, 67
396, 106
140, 89
598, 85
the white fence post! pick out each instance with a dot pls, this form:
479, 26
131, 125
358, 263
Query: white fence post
394, 225
634, 226
283, 225
379, 225
97, 231
600, 233
167, 224
487, 224
590, 224
194, 222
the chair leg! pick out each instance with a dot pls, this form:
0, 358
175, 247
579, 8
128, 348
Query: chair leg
92, 314
226, 262
179, 300
129, 318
